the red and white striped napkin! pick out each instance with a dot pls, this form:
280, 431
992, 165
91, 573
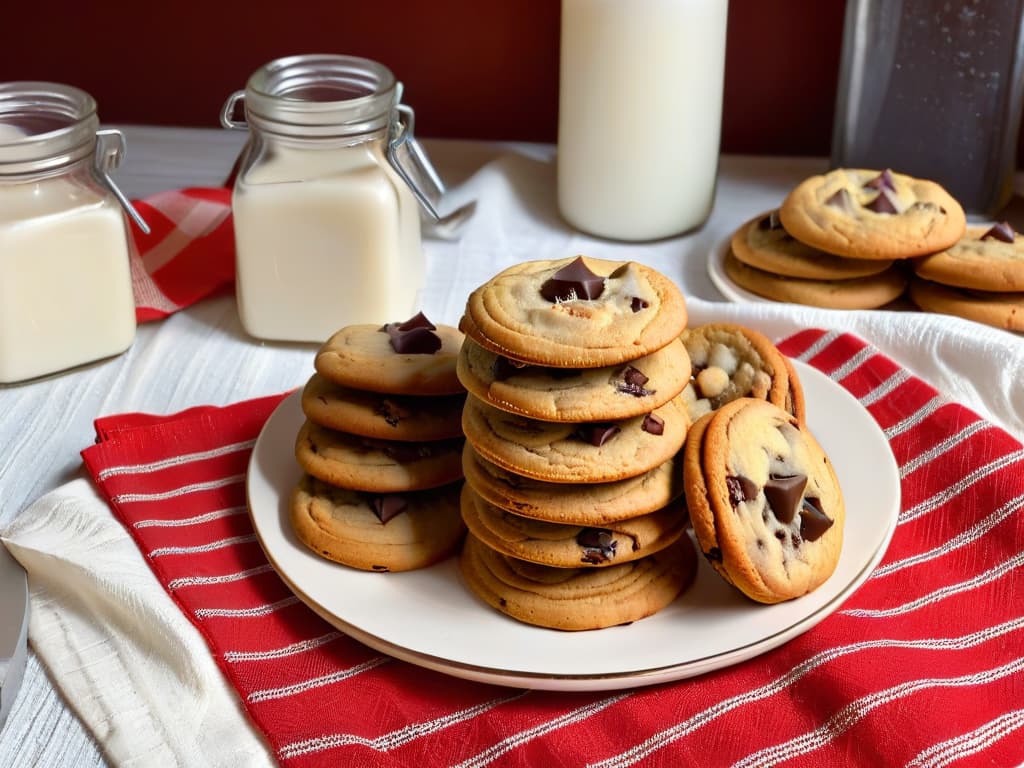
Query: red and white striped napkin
189, 253
922, 666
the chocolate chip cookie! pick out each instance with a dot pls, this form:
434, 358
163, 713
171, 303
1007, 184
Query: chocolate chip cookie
868, 214
764, 500
575, 313
377, 532
986, 258
575, 394
577, 598
1004, 309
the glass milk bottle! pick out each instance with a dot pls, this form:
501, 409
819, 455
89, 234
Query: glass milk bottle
327, 226
65, 276
639, 116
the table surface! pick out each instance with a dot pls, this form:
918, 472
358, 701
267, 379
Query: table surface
202, 355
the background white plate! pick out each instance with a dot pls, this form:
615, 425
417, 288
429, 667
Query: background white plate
428, 617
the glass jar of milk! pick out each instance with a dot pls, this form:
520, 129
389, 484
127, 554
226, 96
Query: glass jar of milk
326, 218
639, 115
65, 275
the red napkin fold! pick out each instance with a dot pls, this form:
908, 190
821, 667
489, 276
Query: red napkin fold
189, 253
922, 666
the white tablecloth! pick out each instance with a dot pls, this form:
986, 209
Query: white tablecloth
202, 355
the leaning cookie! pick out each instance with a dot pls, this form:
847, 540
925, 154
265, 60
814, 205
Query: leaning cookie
559, 452
988, 258
385, 417
577, 598
575, 313
869, 292
415, 357
371, 532
571, 546
1000, 310
575, 394
763, 243
764, 500
379, 466
730, 361
585, 504
867, 214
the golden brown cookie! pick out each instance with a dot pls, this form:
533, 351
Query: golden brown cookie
563, 545
382, 416
730, 361
763, 243
410, 358
868, 214
856, 293
588, 504
764, 500
986, 258
379, 466
577, 598
575, 394
1000, 310
575, 313
560, 452
377, 532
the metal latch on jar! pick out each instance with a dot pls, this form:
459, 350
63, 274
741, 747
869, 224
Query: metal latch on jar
110, 148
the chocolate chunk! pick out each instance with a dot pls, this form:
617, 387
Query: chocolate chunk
391, 411
784, 494
573, 281
1001, 231
813, 521
632, 383
598, 545
883, 203
840, 199
714, 555
413, 337
388, 506
741, 489
504, 368
597, 434
636, 304
653, 425
883, 180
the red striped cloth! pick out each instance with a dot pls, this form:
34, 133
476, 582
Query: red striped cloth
189, 253
922, 666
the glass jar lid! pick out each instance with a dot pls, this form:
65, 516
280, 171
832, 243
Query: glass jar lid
325, 94
44, 126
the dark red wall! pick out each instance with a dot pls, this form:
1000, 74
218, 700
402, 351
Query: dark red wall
472, 68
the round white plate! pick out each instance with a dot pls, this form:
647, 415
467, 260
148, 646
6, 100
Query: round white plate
724, 283
428, 617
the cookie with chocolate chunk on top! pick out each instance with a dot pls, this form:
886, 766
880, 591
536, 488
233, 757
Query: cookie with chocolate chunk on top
564, 545
765, 502
986, 258
869, 214
575, 313
575, 394
414, 357
1004, 309
377, 532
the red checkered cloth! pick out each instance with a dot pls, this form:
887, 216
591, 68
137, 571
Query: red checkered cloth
922, 666
189, 253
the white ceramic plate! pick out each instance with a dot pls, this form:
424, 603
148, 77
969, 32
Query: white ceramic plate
429, 618
724, 283
14, 607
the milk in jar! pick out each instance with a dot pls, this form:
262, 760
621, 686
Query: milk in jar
65, 277
639, 115
327, 232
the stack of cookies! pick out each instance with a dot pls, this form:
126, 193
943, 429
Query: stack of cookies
381, 447
981, 277
573, 424
843, 239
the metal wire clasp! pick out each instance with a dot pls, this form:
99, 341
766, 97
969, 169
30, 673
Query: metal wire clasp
110, 150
